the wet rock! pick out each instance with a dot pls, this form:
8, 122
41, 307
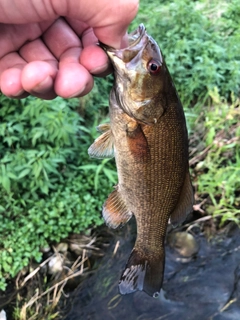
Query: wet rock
61, 247
145, 303
45, 249
184, 243
55, 264
205, 288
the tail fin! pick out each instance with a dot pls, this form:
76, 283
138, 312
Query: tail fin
143, 272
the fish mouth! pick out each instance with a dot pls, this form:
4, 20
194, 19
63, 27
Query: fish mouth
137, 40
136, 36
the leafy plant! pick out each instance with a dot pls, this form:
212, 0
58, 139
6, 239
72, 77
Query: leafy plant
46, 190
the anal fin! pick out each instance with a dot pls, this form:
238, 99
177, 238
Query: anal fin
103, 146
185, 203
115, 212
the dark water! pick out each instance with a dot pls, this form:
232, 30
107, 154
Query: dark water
206, 287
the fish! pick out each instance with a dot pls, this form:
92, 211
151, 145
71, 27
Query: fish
147, 136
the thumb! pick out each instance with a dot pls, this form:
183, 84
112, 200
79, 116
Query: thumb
112, 29
109, 19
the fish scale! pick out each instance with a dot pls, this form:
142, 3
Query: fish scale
147, 135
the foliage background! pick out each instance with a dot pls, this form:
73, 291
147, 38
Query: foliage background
48, 185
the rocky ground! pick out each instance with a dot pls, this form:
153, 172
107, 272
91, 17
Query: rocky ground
202, 279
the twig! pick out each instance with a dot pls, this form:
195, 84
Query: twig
116, 248
200, 156
35, 271
228, 304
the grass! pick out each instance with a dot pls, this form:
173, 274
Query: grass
217, 169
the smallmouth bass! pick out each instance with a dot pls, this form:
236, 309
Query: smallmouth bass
147, 135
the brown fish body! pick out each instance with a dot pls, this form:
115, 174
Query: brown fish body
149, 135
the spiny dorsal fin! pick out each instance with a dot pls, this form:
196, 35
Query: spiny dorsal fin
115, 212
185, 203
102, 147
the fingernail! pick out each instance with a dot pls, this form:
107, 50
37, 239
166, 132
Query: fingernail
100, 69
77, 93
18, 94
44, 85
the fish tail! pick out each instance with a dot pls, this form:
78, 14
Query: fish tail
143, 272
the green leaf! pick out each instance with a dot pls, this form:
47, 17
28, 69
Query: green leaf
24, 173
11, 175
6, 183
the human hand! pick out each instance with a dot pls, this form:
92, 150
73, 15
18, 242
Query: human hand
49, 48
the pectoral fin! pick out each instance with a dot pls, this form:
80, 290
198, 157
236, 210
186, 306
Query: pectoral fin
138, 144
185, 203
103, 146
104, 127
115, 212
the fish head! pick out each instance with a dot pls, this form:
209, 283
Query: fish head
140, 77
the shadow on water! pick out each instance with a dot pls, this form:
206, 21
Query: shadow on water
205, 287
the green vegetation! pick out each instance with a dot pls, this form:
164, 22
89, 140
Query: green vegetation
48, 185
217, 173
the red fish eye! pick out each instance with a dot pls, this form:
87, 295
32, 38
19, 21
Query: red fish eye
153, 66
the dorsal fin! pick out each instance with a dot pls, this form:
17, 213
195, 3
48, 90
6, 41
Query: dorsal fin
103, 146
115, 212
185, 203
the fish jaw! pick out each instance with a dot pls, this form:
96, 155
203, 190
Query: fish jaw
137, 40
137, 87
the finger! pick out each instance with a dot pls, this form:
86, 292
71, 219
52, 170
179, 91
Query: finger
35, 50
93, 58
11, 84
11, 65
60, 37
39, 58
73, 80
12, 36
39, 84
10, 75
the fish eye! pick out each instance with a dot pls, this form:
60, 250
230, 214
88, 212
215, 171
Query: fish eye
153, 66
